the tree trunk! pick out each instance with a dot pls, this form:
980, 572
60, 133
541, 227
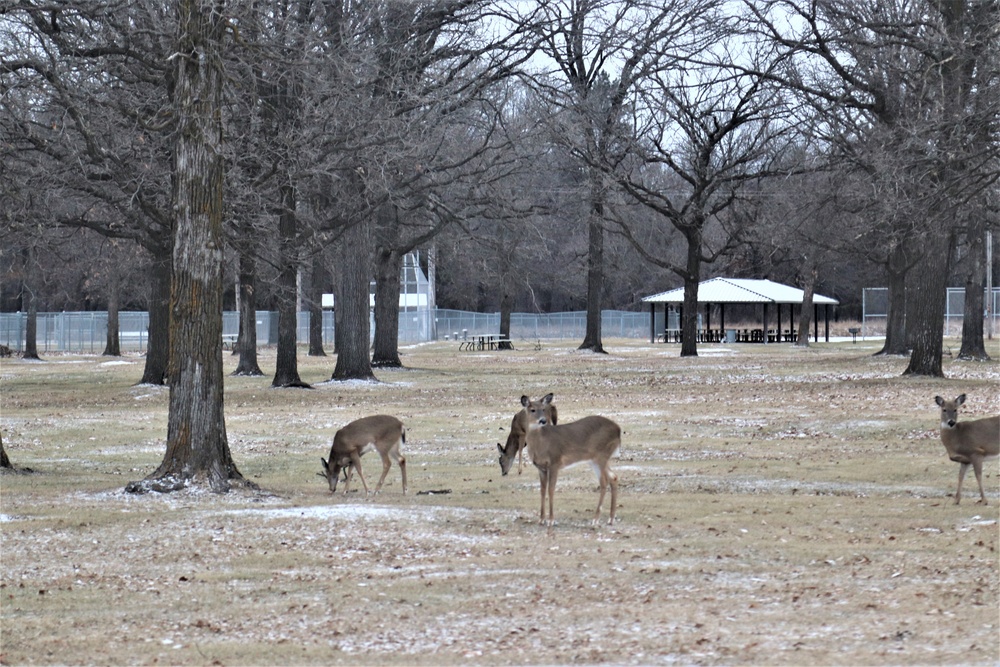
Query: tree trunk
595, 281
286, 373
158, 342
112, 346
246, 342
387, 275
317, 281
973, 343
895, 324
30, 302
926, 326
692, 276
4, 461
197, 448
806, 310
352, 328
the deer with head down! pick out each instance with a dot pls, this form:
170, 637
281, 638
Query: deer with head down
517, 438
380, 433
968, 443
553, 447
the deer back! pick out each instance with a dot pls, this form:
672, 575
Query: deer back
589, 439
378, 432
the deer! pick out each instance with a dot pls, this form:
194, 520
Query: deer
968, 443
381, 433
553, 447
516, 439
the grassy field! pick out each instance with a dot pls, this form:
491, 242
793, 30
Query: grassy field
777, 506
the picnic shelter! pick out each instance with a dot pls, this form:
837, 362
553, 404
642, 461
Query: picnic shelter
729, 291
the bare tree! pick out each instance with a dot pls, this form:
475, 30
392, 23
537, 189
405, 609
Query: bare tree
911, 77
197, 447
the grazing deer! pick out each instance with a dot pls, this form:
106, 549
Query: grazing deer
380, 433
969, 442
516, 439
553, 447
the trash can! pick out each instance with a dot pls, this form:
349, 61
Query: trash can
730, 335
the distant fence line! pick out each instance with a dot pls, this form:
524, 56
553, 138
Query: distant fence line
875, 310
86, 332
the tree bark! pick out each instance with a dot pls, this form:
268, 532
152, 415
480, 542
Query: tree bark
317, 282
246, 342
897, 269
926, 326
386, 344
692, 276
158, 343
973, 343
4, 461
286, 372
806, 310
352, 329
197, 447
112, 346
29, 299
595, 280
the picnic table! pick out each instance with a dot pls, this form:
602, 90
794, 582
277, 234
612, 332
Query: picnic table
486, 342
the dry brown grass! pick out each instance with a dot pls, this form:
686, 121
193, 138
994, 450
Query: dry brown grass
778, 506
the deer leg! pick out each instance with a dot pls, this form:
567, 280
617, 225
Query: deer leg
520, 457
356, 463
602, 486
553, 473
401, 460
543, 479
961, 476
386, 464
977, 467
613, 480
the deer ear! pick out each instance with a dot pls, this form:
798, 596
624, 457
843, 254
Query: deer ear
499, 448
525, 400
960, 400
546, 399
939, 400
326, 466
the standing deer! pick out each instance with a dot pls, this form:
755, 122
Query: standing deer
553, 447
516, 439
380, 433
968, 443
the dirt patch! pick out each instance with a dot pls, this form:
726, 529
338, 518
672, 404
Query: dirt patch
777, 506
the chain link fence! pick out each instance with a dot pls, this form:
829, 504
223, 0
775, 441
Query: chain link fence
86, 332
875, 311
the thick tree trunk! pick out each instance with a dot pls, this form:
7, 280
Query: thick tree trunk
387, 274
806, 310
895, 325
246, 342
112, 346
352, 329
158, 342
4, 461
926, 326
286, 372
317, 282
689, 314
595, 281
29, 299
973, 343
197, 448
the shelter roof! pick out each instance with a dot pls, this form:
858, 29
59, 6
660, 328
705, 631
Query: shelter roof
740, 290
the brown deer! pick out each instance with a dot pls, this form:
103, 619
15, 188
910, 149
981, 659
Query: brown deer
380, 433
553, 447
516, 439
968, 443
